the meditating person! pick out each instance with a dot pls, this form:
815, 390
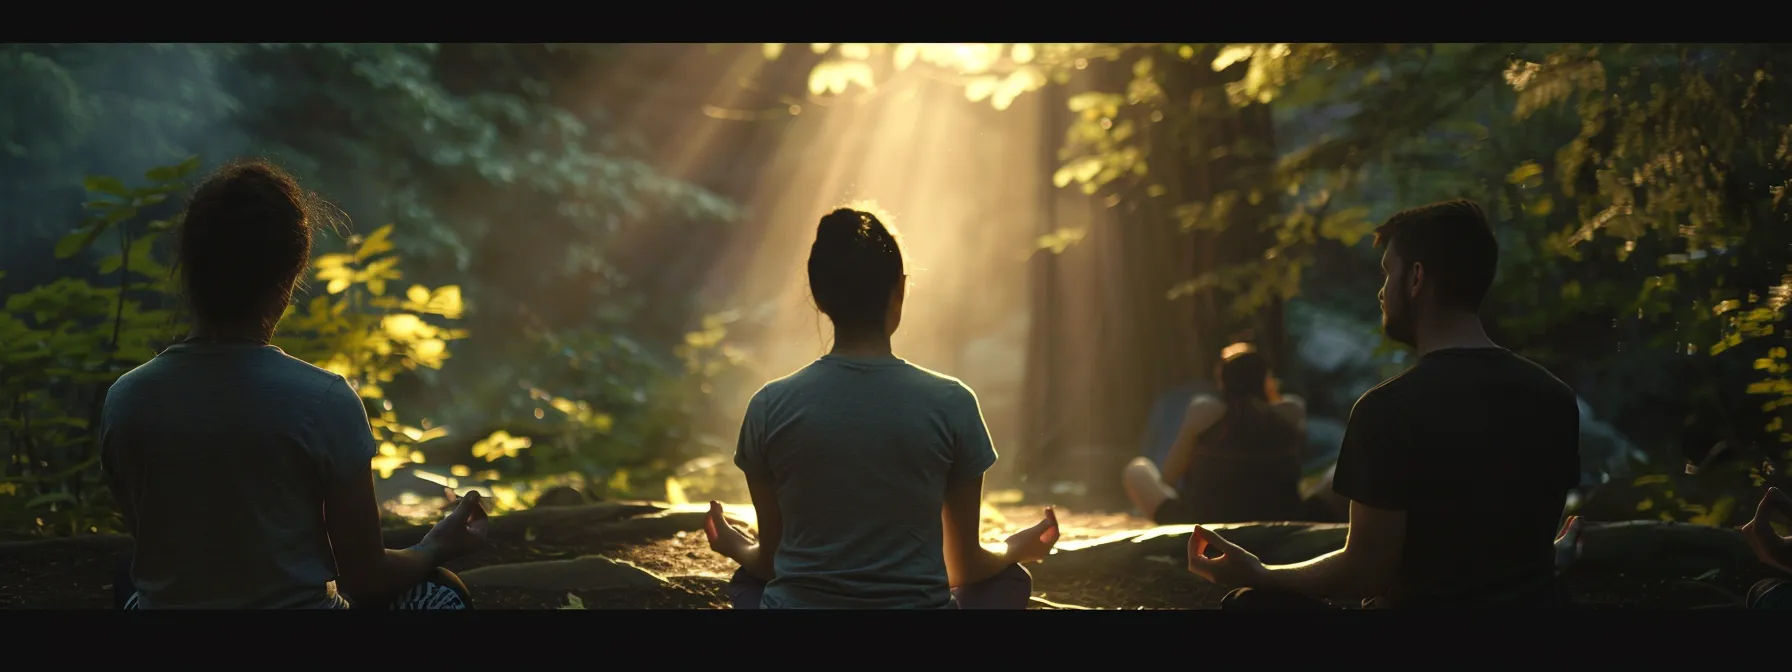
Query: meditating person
866, 471
1772, 549
1237, 457
1457, 470
245, 475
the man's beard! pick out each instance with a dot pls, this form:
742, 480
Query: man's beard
1397, 323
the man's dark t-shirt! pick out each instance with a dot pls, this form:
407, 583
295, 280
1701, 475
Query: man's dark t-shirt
1479, 447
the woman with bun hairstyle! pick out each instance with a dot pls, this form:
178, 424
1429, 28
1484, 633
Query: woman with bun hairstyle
866, 470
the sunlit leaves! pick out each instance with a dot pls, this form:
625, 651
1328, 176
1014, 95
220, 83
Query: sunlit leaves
334, 270
833, 77
1098, 150
1559, 76
705, 351
1347, 225
1060, 240
1209, 215
341, 271
905, 55
444, 301
500, 444
1231, 54
356, 330
1668, 174
1268, 68
854, 51
1527, 174
388, 460
377, 243
1096, 104
996, 73
1001, 91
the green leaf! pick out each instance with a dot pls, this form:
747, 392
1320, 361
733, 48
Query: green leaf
106, 185
376, 243
78, 240
1527, 174
174, 172
162, 173
120, 214
52, 498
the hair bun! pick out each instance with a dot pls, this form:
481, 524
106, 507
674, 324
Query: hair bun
843, 225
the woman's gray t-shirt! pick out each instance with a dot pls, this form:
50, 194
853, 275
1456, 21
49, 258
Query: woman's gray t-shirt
220, 454
861, 451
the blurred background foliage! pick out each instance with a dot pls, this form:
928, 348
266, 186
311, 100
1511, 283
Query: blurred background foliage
516, 289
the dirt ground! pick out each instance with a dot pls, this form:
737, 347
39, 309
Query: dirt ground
78, 573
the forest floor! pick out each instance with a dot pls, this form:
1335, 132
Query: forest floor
638, 555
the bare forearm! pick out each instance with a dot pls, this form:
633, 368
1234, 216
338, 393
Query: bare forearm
758, 562
1324, 576
980, 565
405, 567
399, 570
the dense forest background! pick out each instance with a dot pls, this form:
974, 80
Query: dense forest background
530, 276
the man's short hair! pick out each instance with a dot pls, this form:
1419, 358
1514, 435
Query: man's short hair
1453, 241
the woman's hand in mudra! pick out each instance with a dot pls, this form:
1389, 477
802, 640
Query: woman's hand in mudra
724, 538
1034, 543
1772, 549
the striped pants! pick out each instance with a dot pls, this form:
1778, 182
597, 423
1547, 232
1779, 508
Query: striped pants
440, 591
1771, 594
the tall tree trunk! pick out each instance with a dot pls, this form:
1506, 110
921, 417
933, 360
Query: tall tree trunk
1107, 341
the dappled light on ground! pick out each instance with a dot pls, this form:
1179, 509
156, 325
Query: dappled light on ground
631, 555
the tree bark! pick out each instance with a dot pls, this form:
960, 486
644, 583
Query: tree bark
1106, 340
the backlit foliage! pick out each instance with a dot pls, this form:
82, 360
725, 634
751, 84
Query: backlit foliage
63, 343
358, 329
1639, 185
1676, 172
1115, 135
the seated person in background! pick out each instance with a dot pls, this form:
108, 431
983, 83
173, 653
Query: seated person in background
867, 471
244, 474
1457, 470
1773, 550
1237, 458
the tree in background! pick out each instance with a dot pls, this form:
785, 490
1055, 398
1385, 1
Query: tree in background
1637, 190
